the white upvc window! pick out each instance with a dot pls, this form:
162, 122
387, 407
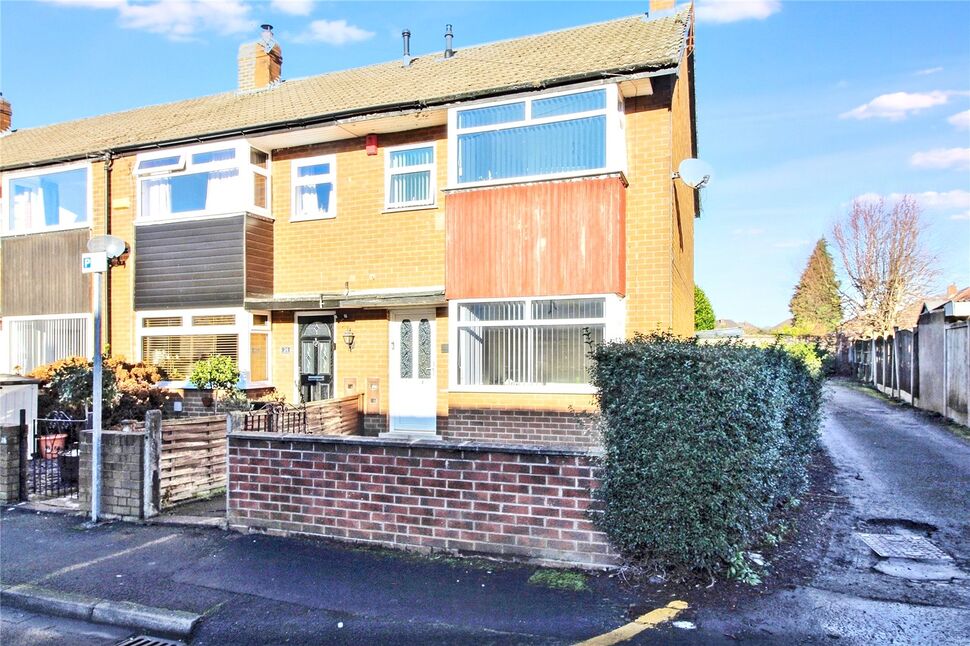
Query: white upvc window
207, 180
314, 182
409, 177
175, 340
32, 341
543, 136
529, 344
49, 199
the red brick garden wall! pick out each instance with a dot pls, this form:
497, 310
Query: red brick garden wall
511, 501
532, 427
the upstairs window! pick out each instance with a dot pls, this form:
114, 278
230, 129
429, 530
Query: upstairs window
47, 200
409, 177
204, 180
545, 136
314, 182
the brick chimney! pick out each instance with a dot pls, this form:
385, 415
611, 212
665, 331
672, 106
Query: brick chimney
260, 63
661, 6
951, 289
6, 114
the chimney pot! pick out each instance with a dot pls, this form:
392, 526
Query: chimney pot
406, 57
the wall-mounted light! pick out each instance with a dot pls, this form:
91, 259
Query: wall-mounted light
349, 338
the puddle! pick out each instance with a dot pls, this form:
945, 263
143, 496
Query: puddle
914, 570
902, 525
903, 550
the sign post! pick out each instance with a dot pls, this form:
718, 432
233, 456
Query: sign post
96, 264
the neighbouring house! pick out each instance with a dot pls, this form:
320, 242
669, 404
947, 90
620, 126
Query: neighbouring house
446, 234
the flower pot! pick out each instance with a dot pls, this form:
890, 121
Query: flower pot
207, 399
52, 445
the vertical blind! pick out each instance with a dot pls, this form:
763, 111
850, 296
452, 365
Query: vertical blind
409, 176
34, 342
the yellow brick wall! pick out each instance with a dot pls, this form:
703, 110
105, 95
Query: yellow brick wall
685, 204
122, 304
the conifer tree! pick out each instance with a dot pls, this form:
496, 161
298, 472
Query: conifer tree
703, 312
816, 305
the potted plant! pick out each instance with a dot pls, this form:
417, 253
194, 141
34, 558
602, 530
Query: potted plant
218, 374
51, 445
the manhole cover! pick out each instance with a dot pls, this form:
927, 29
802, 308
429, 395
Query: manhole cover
904, 547
148, 640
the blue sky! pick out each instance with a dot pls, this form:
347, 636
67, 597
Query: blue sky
802, 106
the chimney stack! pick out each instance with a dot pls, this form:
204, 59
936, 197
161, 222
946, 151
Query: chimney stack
6, 114
406, 58
449, 52
660, 7
260, 63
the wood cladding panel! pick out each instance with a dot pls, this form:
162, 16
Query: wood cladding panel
259, 257
42, 274
190, 264
541, 239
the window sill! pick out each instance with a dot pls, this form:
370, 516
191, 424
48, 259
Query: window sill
405, 209
529, 389
533, 179
317, 218
67, 227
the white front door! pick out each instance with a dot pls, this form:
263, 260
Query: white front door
413, 382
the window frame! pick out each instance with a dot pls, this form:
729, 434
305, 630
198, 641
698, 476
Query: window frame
242, 327
7, 203
313, 180
613, 110
242, 162
614, 316
5, 331
390, 172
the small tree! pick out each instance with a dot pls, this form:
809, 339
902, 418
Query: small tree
703, 312
816, 305
218, 373
886, 259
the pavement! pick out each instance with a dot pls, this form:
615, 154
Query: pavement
898, 471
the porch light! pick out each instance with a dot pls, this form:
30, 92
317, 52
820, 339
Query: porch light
349, 338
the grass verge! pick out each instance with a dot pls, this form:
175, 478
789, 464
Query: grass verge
559, 580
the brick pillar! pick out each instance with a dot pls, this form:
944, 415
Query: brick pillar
122, 474
9, 464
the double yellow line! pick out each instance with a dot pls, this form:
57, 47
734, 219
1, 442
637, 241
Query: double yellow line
650, 620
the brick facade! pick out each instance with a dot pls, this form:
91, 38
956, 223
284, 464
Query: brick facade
543, 428
122, 468
508, 501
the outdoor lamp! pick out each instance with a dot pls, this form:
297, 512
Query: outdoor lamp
349, 338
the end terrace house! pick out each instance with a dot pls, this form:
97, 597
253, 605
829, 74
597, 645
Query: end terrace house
446, 234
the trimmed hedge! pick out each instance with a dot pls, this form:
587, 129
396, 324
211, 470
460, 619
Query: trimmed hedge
702, 444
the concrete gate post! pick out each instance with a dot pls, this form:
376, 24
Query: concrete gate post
151, 483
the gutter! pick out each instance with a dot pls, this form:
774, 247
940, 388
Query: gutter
336, 118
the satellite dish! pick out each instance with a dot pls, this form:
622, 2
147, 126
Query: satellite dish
694, 172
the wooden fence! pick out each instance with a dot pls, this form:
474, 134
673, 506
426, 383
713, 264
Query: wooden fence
192, 460
339, 416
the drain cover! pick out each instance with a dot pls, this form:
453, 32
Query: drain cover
904, 547
148, 640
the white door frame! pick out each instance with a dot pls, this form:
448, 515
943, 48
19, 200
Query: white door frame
393, 365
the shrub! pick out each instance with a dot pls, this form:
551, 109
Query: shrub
702, 443
217, 372
129, 390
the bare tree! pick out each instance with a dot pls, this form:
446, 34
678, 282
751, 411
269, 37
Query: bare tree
886, 259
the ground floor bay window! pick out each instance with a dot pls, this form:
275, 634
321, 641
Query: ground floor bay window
530, 343
34, 341
175, 341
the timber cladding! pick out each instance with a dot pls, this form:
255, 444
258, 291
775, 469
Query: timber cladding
259, 257
504, 500
190, 264
192, 460
540, 239
42, 274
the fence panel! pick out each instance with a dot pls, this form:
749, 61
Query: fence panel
957, 367
904, 359
192, 460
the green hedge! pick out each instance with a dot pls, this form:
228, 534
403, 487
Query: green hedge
702, 444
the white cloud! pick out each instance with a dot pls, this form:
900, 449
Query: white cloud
927, 71
897, 105
957, 199
293, 7
332, 32
942, 158
722, 11
961, 216
176, 19
961, 120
